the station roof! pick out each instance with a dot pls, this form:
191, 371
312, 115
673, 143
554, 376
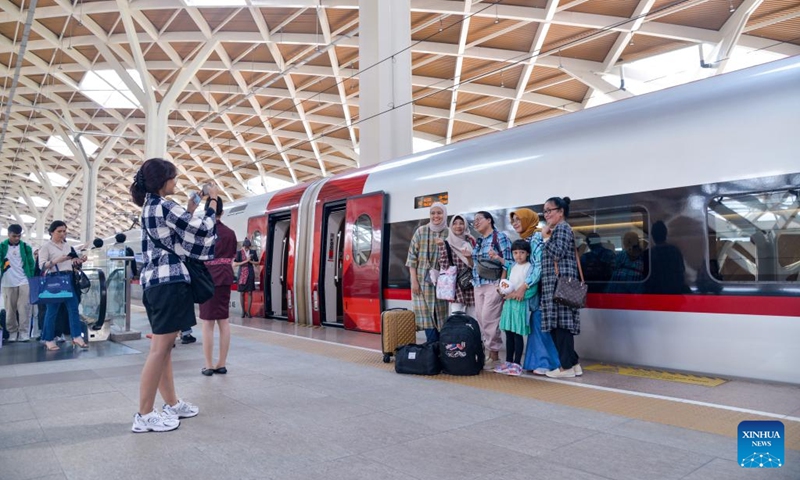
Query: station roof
268, 90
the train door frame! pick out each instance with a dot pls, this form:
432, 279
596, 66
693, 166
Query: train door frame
257, 224
273, 219
330, 250
362, 276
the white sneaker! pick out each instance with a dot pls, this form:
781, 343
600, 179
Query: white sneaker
154, 422
558, 373
23, 337
540, 371
578, 369
180, 410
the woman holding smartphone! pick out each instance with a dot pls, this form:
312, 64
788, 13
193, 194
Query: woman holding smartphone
170, 233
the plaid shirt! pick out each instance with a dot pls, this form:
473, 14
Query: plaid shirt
177, 229
481, 250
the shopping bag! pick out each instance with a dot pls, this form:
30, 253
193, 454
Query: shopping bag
446, 286
53, 288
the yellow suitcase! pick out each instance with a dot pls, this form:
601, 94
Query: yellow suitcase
398, 327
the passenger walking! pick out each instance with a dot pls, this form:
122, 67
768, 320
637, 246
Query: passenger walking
561, 321
215, 311
245, 259
56, 256
18, 265
456, 251
167, 296
540, 352
514, 319
422, 262
488, 302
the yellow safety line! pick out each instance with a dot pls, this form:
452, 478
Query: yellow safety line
657, 375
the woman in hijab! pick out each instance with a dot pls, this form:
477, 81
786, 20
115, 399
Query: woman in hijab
422, 263
246, 279
540, 351
457, 251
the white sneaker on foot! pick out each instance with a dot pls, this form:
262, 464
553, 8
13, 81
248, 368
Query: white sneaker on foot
180, 410
540, 371
578, 369
558, 373
154, 422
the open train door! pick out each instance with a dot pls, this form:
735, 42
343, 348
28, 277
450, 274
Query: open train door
363, 253
256, 232
278, 257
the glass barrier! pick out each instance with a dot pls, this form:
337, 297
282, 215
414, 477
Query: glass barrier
92, 307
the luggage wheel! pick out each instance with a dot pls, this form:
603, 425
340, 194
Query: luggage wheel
387, 357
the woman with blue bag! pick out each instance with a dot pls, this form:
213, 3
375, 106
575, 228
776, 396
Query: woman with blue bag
56, 257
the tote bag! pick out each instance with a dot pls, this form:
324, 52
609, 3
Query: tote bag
53, 288
446, 286
569, 291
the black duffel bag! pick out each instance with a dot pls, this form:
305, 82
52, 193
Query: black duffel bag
418, 359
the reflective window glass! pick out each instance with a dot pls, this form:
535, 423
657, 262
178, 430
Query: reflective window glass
362, 239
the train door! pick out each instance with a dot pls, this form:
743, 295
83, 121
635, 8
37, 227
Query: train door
330, 288
363, 259
276, 276
256, 227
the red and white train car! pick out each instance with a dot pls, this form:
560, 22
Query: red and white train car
718, 161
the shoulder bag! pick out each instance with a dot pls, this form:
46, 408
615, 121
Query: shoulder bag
200, 280
489, 269
464, 276
569, 291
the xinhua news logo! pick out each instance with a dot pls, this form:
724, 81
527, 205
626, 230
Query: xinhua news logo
761, 444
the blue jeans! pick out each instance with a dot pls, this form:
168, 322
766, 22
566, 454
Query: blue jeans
431, 335
75, 327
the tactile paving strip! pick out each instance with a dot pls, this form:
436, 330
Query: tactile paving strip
685, 415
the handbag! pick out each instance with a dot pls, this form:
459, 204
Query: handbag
200, 280
487, 268
464, 275
446, 284
569, 291
52, 288
82, 281
418, 359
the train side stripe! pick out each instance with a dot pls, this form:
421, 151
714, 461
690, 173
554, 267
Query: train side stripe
721, 304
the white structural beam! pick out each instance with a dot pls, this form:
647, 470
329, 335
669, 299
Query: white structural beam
534, 51
462, 43
731, 31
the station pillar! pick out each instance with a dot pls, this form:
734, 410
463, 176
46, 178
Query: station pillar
385, 109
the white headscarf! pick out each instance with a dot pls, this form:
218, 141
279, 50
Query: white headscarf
443, 225
459, 243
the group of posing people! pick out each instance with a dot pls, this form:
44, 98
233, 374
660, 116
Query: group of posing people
519, 302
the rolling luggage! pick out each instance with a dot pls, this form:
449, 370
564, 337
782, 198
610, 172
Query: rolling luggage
460, 345
398, 327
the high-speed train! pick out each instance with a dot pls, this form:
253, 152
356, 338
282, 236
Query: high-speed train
717, 161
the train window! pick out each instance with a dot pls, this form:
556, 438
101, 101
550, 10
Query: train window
755, 237
612, 245
398, 237
257, 242
362, 239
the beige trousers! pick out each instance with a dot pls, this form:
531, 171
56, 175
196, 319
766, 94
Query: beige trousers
488, 308
18, 310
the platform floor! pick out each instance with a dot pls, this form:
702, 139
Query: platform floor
303, 403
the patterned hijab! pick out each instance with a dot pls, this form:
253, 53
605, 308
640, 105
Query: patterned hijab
529, 221
458, 242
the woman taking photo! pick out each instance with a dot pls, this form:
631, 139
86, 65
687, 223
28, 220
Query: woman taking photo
215, 311
57, 256
170, 233
563, 323
246, 278
422, 262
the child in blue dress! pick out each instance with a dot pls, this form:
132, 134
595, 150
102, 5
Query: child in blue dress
514, 319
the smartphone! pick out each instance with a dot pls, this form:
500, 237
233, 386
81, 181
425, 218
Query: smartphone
204, 191
195, 198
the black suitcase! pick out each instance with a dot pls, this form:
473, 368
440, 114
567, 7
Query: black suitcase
418, 359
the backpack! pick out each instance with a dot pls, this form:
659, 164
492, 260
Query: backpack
460, 345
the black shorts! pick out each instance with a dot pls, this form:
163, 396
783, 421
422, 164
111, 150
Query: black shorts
169, 308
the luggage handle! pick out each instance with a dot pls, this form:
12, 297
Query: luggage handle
395, 308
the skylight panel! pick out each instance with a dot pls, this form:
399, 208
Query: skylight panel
38, 202
58, 145
27, 218
271, 185
215, 3
109, 90
56, 180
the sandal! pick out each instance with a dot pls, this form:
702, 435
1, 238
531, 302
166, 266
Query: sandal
51, 346
82, 345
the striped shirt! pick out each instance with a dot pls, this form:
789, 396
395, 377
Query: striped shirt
177, 229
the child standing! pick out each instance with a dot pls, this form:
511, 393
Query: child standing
514, 319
